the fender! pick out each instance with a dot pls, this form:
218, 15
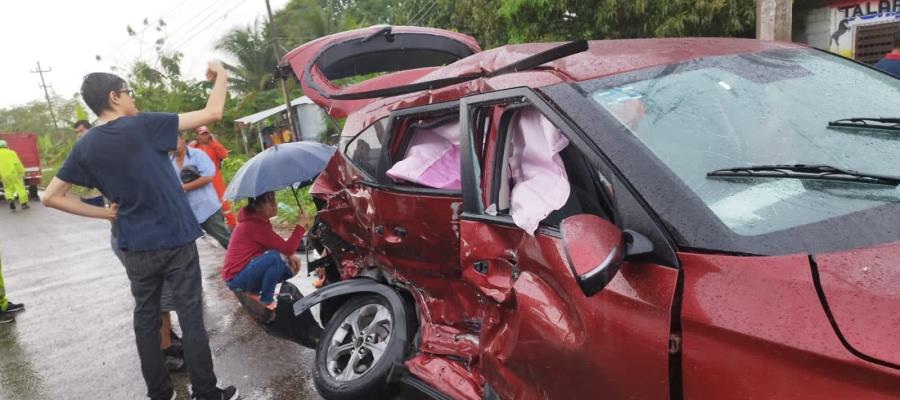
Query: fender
294, 321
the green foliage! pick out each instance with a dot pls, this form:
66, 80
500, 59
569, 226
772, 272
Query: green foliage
232, 164
53, 153
498, 22
162, 88
53, 143
80, 112
303, 20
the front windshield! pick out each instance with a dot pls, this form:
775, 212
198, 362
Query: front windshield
763, 108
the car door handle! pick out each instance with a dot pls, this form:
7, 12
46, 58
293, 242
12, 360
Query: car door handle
481, 267
400, 231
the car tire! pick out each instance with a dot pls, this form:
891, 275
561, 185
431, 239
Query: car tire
342, 344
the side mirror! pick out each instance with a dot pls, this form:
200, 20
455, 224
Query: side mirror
594, 248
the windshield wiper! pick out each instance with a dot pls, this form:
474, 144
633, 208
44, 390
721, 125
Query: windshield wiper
888, 124
805, 171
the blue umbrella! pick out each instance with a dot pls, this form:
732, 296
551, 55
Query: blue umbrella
284, 165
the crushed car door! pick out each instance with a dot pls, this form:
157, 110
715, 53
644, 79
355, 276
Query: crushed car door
542, 335
418, 199
404, 53
347, 183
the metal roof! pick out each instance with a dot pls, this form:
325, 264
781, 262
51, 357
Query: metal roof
254, 118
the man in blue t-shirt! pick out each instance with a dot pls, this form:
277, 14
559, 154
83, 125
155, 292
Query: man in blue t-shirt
891, 61
197, 171
126, 156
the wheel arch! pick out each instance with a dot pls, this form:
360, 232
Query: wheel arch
333, 296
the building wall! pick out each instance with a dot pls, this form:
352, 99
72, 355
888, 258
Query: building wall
834, 26
817, 32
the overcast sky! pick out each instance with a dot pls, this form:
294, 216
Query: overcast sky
66, 36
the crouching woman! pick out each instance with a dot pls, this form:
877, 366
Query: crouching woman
253, 263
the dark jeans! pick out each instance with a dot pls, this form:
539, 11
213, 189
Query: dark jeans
167, 298
260, 276
179, 268
215, 227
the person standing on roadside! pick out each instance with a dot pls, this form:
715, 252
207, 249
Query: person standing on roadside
170, 343
81, 126
196, 172
12, 175
217, 153
126, 156
90, 196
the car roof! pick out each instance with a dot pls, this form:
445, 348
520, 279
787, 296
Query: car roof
603, 58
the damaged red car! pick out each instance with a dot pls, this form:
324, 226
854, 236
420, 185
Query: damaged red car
641, 219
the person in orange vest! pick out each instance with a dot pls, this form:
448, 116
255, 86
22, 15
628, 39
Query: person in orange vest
217, 153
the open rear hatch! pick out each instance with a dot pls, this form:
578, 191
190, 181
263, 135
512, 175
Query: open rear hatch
859, 288
406, 53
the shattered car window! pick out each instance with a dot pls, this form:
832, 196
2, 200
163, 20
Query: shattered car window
756, 109
432, 158
364, 150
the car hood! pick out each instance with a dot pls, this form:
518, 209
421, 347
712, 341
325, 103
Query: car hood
860, 289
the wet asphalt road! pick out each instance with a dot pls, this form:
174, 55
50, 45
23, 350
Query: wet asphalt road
75, 338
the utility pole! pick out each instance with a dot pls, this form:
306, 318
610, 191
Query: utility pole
295, 135
47, 94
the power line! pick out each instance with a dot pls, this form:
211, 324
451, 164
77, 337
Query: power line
207, 50
189, 21
193, 33
426, 14
418, 13
192, 22
113, 54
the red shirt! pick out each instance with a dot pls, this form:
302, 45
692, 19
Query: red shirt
253, 236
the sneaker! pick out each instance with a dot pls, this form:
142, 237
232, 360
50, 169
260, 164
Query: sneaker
6, 317
13, 307
175, 364
12, 206
229, 393
25, 206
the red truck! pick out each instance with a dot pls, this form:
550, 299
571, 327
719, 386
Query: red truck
25, 145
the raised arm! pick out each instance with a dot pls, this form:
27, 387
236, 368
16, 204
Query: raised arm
215, 105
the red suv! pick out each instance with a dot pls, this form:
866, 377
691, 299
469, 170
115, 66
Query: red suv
642, 219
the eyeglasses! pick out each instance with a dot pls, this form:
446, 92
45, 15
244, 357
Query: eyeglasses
129, 91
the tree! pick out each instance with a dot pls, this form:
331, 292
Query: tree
162, 88
254, 63
303, 20
498, 22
